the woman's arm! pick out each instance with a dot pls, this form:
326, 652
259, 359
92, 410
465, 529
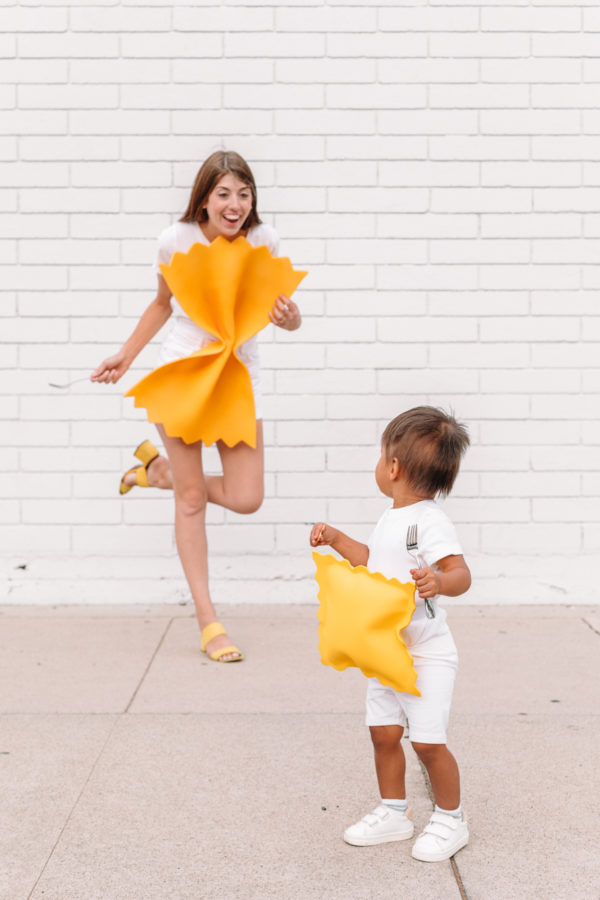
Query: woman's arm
356, 553
152, 320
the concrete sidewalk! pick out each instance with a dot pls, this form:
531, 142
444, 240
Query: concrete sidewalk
132, 768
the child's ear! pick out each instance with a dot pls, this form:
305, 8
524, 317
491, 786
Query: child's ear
395, 469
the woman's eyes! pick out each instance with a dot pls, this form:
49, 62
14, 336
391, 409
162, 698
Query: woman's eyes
223, 196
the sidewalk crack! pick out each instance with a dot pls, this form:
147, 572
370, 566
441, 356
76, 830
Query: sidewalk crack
148, 667
74, 807
455, 870
118, 718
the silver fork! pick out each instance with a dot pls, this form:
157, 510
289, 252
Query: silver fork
412, 546
64, 387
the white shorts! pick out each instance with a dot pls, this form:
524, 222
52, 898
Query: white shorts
185, 338
436, 663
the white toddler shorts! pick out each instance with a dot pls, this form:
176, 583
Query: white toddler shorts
436, 663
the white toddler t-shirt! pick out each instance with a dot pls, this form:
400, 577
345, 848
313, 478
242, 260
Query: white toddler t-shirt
185, 336
388, 554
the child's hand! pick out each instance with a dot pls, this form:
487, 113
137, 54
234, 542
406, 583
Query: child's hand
322, 535
426, 582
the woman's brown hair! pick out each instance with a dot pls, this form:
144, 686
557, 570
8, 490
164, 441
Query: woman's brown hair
218, 164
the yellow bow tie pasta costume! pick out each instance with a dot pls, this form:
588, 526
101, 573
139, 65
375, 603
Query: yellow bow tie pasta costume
362, 615
227, 288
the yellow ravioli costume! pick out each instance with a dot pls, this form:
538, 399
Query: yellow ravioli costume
228, 288
362, 615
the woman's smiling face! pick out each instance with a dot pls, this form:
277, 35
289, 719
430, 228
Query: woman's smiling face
227, 207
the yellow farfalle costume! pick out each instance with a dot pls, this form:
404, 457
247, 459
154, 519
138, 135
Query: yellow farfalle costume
227, 288
362, 615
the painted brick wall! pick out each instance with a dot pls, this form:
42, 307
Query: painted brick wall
435, 167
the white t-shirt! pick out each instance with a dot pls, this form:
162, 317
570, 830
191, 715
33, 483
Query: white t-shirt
388, 555
186, 336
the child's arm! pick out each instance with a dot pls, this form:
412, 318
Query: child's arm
356, 553
452, 579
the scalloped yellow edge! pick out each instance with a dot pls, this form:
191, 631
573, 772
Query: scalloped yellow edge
228, 289
393, 666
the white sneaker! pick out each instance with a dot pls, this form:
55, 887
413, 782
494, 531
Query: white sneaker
442, 837
382, 825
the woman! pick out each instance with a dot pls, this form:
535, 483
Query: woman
222, 203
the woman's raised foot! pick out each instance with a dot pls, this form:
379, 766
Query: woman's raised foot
158, 472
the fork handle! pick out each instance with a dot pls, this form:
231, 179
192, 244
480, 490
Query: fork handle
429, 610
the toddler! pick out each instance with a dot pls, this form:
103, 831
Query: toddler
421, 451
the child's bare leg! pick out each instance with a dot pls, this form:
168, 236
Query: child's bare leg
389, 820
390, 762
443, 773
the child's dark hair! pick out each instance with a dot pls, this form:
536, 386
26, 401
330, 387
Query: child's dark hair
428, 443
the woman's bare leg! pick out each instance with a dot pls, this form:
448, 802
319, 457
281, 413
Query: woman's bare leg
240, 488
190, 528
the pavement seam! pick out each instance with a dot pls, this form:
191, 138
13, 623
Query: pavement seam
590, 626
147, 669
74, 807
118, 718
453, 864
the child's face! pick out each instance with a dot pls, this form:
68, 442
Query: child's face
383, 474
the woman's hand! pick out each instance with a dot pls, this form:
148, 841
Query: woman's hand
322, 535
285, 314
111, 369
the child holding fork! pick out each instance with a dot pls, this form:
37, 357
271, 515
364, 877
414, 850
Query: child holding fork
421, 451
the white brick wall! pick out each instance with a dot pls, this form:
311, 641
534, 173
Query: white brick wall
434, 166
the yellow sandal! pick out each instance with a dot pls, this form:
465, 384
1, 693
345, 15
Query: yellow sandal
147, 453
212, 631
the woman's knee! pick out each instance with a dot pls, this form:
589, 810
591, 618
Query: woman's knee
191, 501
246, 501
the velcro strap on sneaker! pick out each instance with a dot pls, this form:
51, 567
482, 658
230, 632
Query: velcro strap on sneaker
440, 824
443, 821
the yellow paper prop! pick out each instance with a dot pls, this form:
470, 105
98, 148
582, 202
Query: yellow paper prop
228, 289
362, 614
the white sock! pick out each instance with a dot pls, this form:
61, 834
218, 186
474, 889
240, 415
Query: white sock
398, 805
457, 813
